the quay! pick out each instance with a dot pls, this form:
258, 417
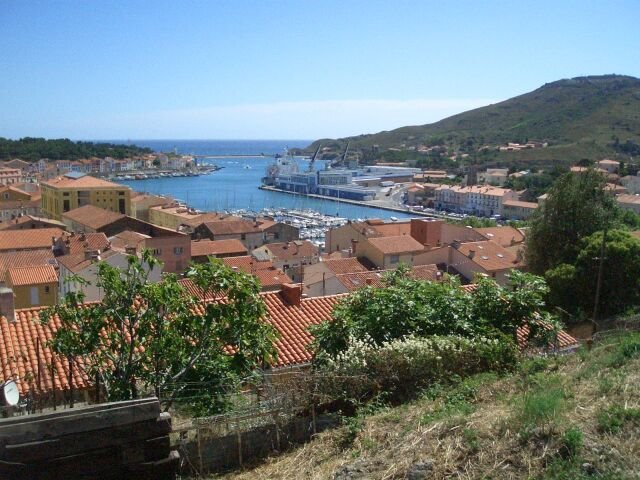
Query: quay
354, 202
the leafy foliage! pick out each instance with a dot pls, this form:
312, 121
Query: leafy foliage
155, 336
412, 307
577, 206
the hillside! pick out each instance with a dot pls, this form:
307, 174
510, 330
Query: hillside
33, 149
579, 118
569, 417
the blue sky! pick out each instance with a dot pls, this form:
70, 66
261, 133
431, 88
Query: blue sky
289, 69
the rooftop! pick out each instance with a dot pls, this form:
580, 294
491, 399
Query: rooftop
201, 248
232, 227
489, 255
92, 216
25, 258
36, 238
396, 244
292, 250
32, 275
345, 265
505, 236
86, 181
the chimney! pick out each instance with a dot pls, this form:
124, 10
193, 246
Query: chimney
354, 247
427, 232
472, 253
292, 293
91, 254
7, 304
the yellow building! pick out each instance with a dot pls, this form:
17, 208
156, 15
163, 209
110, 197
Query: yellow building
33, 286
76, 190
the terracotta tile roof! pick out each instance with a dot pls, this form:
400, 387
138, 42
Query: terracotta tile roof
231, 227
292, 323
77, 262
37, 238
292, 250
356, 280
380, 228
201, 248
85, 241
25, 258
521, 204
564, 340
247, 263
489, 255
270, 278
86, 181
505, 236
126, 239
24, 204
92, 216
425, 272
345, 265
20, 341
396, 245
20, 223
32, 275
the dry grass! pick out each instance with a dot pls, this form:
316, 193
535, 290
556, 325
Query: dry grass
478, 429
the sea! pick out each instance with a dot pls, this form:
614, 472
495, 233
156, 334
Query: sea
235, 185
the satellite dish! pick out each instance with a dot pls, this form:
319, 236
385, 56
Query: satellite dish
10, 393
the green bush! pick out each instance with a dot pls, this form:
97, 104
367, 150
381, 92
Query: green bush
541, 407
614, 418
572, 443
403, 368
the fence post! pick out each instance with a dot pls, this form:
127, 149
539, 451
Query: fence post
239, 439
200, 466
277, 427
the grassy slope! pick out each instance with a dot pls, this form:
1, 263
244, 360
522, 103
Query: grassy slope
546, 421
580, 115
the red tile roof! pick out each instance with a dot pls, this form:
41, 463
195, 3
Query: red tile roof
85, 241
76, 262
396, 245
489, 255
20, 341
345, 265
33, 275
92, 216
355, 280
505, 236
37, 238
247, 263
86, 181
232, 227
292, 250
200, 248
24, 258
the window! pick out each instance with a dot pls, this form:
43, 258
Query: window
243, 236
66, 206
6, 196
394, 258
178, 250
157, 252
121, 206
47, 289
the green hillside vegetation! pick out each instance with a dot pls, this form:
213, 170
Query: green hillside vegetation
587, 117
33, 149
571, 417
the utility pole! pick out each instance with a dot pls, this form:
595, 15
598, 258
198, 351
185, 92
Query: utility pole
601, 260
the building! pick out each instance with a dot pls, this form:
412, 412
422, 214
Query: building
611, 166
85, 266
475, 200
19, 199
389, 252
10, 176
631, 183
92, 219
173, 216
321, 278
201, 250
140, 205
24, 258
33, 286
75, 190
469, 259
290, 257
270, 277
494, 176
518, 210
35, 239
246, 231
277, 231
505, 236
29, 222
629, 202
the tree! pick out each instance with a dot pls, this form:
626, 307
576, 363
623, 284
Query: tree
577, 206
573, 286
413, 307
147, 336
